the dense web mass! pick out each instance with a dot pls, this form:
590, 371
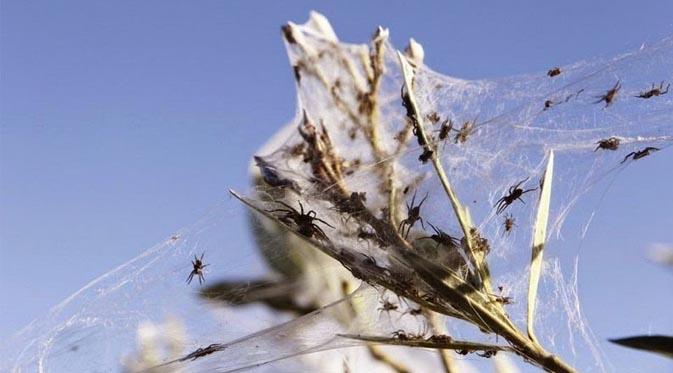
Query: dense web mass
396, 211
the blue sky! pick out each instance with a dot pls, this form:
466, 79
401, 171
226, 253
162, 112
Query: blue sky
119, 125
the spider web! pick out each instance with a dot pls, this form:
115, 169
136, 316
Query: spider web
142, 316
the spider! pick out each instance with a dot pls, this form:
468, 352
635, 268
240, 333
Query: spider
488, 353
513, 194
203, 351
509, 223
413, 215
415, 311
655, 91
303, 220
548, 104
609, 96
442, 238
440, 338
447, 126
433, 117
427, 154
401, 335
640, 153
419, 138
387, 306
197, 270
464, 132
503, 300
611, 143
553, 72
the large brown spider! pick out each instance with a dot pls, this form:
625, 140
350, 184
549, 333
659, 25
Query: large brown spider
442, 238
303, 220
413, 215
609, 96
655, 91
640, 153
513, 194
197, 270
611, 143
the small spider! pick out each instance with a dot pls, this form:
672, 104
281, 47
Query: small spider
501, 298
415, 311
203, 351
513, 194
447, 126
440, 338
401, 335
488, 353
427, 154
413, 215
609, 96
419, 137
464, 132
640, 153
303, 220
433, 117
387, 306
553, 72
548, 104
509, 223
442, 238
655, 91
611, 143
197, 270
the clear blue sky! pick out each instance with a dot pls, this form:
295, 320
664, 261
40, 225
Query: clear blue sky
119, 126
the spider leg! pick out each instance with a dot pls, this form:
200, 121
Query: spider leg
290, 208
627, 157
528, 190
423, 200
422, 224
324, 222
202, 254
301, 207
502, 206
319, 232
190, 277
522, 201
399, 228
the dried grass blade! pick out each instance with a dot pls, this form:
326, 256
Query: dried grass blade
539, 238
